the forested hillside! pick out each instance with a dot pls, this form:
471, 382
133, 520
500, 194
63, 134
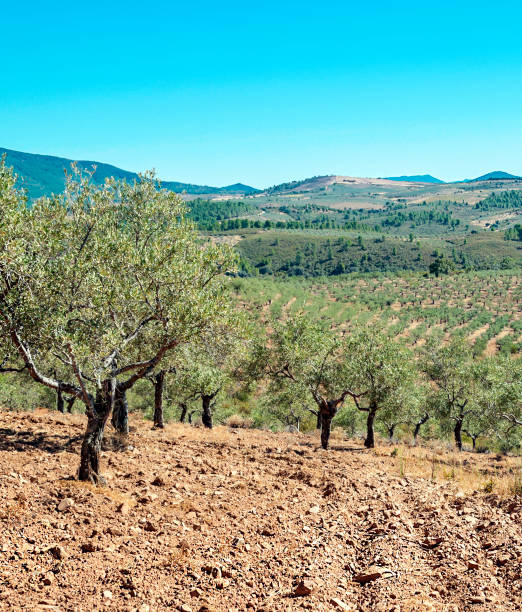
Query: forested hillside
43, 175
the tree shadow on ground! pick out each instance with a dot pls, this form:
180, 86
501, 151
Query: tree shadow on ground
346, 449
22, 440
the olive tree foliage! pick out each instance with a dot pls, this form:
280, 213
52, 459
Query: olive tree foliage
107, 280
201, 370
405, 406
456, 384
499, 400
214, 364
504, 384
291, 406
304, 357
382, 377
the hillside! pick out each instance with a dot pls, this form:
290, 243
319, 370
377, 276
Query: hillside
417, 178
497, 175
44, 175
195, 520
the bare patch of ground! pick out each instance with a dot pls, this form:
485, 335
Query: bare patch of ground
248, 520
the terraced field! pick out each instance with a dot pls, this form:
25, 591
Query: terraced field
485, 307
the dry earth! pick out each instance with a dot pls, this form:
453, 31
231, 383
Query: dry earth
238, 520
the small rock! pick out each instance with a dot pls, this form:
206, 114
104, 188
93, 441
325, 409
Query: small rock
65, 504
88, 547
158, 482
148, 526
48, 578
314, 510
337, 603
107, 594
196, 592
372, 573
123, 508
58, 552
185, 608
477, 599
147, 498
432, 542
473, 565
305, 587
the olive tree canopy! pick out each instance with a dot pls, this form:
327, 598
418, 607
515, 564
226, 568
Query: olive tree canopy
108, 280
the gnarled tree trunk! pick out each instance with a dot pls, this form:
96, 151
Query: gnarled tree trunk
59, 401
370, 435
97, 417
418, 425
184, 409
458, 433
120, 412
206, 417
159, 385
327, 409
70, 403
326, 426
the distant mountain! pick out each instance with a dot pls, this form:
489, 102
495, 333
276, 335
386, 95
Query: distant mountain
416, 178
44, 174
497, 175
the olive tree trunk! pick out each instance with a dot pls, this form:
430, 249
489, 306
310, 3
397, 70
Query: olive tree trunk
159, 386
120, 412
326, 427
183, 415
418, 426
70, 403
458, 433
59, 401
97, 417
370, 434
206, 404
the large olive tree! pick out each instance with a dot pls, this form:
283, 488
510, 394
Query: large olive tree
109, 281
301, 356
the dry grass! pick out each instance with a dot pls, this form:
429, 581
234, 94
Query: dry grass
112, 494
470, 472
237, 421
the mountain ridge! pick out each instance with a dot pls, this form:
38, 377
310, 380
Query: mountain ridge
44, 174
496, 175
416, 178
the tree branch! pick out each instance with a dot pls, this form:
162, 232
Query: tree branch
45, 380
146, 366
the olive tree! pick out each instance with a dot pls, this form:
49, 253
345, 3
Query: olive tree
499, 400
108, 280
454, 375
382, 376
306, 356
201, 369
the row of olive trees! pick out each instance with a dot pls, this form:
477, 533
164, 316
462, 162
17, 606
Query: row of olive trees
101, 287
308, 364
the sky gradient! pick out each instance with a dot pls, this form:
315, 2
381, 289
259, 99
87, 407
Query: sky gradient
261, 93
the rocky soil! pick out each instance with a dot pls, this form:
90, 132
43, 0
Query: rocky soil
241, 520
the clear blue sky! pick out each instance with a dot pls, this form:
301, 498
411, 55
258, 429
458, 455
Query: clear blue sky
264, 92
